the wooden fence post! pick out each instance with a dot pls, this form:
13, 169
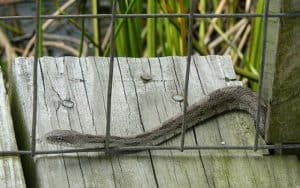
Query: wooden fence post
282, 74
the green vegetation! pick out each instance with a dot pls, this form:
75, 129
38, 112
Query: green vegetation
137, 37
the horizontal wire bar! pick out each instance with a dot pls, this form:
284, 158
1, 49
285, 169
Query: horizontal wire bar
169, 15
137, 148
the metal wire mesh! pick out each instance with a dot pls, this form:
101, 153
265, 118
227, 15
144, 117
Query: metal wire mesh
191, 16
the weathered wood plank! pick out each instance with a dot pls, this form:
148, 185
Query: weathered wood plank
11, 174
282, 74
133, 170
137, 107
172, 168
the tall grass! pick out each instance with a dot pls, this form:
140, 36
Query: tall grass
153, 37
82, 10
168, 36
253, 52
96, 27
40, 31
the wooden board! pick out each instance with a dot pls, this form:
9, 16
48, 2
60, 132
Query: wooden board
282, 74
11, 174
138, 107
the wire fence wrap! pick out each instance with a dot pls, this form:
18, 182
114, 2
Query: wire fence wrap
35, 66
262, 68
157, 15
110, 75
113, 16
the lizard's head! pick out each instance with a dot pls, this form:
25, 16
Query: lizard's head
63, 137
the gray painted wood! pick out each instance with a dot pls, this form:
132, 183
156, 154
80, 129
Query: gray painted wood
136, 107
11, 174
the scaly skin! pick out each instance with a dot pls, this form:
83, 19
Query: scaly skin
220, 101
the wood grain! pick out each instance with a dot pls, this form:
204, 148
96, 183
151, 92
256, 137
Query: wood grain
136, 107
11, 174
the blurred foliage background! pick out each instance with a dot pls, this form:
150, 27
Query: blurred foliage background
136, 37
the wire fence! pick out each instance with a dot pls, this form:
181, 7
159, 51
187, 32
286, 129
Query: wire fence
191, 16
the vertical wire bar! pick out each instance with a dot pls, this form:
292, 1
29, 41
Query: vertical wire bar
34, 94
262, 67
187, 75
110, 76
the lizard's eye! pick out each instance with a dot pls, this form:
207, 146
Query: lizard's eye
60, 138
